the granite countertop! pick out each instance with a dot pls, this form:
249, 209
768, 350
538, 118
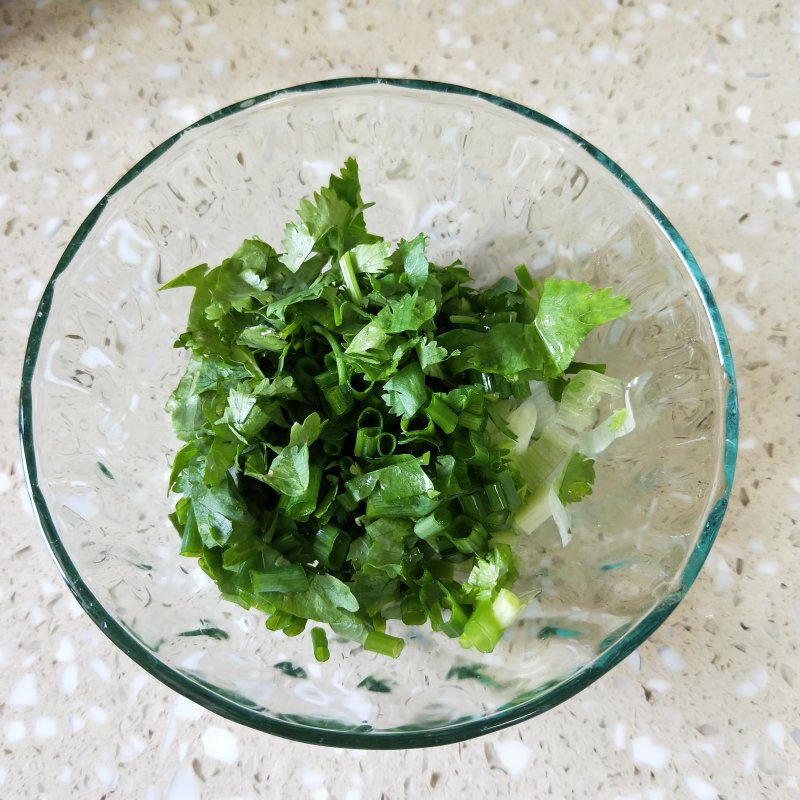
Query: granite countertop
699, 102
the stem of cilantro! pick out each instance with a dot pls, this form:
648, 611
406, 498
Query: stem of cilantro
337, 351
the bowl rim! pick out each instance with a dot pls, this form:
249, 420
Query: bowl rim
361, 737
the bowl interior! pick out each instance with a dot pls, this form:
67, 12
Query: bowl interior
491, 184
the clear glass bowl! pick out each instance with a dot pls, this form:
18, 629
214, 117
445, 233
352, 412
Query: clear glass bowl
492, 183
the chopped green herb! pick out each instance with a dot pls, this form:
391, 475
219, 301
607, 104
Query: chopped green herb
578, 479
367, 435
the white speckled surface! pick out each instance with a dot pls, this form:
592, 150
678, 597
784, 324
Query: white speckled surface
702, 108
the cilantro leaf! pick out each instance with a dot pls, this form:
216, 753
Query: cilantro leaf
280, 386
577, 480
306, 433
507, 349
405, 391
217, 509
411, 256
325, 214
327, 599
221, 456
409, 313
185, 404
276, 309
240, 280
371, 257
298, 244
347, 185
240, 404
430, 353
568, 311
261, 337
244, 415
370, 337
191, 277
397, 481
289, 471
387, 545
493, 572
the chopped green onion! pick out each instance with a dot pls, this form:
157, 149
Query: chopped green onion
475, 403
278, 621
441, 414
454, 618
509, 491
332, 447
582, 396
346, 501
473, 543
546, 456
367, 443
330, 546
468, 535
474, 505
304, 371
520, 389
312, 347
412, 611
524, 277
508, 537
470, 421
443, 570
465, 319
319, 641
370, 418
495, 384
387, 442
384, 643
359, 388
295, 627
378, 624
498, 318
327, 501
472, 449
326, 380
489, 620
340, 400
418, 425
495, 497
428, 527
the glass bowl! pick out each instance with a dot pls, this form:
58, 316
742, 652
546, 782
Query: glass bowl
492, 183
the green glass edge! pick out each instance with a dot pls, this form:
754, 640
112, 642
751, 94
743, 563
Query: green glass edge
463, 729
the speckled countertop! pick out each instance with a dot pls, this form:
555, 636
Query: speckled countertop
702, 107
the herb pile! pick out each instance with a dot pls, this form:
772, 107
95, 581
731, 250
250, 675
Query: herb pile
366, 435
